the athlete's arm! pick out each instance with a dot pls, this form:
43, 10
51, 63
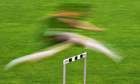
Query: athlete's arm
81, 25
62, 14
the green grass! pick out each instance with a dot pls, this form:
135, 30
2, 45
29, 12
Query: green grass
19, 34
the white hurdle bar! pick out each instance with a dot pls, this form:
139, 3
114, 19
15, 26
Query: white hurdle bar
66, 61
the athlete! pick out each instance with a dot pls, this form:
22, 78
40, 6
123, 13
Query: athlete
62, 32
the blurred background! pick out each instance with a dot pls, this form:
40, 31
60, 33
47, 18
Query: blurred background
20, 33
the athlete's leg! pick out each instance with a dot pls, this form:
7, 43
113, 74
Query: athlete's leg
91, 43
40, 55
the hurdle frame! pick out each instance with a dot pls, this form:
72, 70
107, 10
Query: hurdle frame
71, 59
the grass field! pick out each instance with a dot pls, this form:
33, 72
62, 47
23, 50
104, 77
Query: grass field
19, 34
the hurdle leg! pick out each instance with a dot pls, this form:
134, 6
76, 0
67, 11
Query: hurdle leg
85, 68
64, 73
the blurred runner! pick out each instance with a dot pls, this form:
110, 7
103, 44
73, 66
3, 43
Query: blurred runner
61, 33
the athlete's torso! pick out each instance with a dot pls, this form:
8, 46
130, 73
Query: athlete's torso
54, 26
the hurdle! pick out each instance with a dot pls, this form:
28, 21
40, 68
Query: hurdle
66, 61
